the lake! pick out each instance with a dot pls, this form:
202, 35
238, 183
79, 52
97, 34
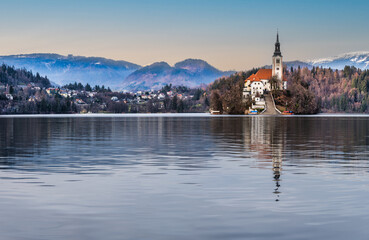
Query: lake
180, 177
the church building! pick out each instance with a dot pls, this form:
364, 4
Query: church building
259, 82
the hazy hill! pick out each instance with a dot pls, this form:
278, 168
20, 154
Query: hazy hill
190, 72
115, 74
129, 76
10, 76
66, 69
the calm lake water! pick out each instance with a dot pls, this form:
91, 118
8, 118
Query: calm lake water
184, 177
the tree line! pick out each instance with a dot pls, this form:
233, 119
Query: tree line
344, 90
13, 77
80, 87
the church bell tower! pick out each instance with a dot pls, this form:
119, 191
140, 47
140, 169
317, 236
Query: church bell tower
277, 69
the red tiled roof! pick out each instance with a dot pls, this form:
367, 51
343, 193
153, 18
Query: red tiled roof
253, 78
261, 74
264, 73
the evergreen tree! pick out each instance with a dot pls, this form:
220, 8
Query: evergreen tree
197, 95
174, 103
88, 88
180, 107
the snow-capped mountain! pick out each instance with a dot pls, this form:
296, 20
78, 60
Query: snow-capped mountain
356, 59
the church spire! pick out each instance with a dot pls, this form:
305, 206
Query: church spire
277, 51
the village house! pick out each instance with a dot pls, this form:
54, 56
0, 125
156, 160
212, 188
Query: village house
23, 86
9, 96
65, 93
32, 99
91, 94
52, 91
161, 96
80, 102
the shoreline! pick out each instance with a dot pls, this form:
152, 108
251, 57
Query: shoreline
127, 115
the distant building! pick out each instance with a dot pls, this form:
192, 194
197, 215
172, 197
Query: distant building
65, 93
9, 96
80, 102
259, 103
23, 86
161, 96
52, 91
32, 99
259, 83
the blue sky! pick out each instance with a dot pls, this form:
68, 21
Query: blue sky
229, 34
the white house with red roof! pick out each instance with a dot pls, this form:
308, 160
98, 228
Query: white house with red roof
259, 83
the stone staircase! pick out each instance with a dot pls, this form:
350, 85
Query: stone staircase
270, 105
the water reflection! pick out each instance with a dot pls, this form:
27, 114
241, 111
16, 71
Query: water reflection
277, 168
185, 143
183, 177
267, 137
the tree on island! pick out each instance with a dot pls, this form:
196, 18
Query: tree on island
299, 98
233, 102
230, 91
275, 83
216, 101
303, 100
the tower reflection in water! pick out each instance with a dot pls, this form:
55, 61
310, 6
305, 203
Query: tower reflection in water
265, 138
277, 168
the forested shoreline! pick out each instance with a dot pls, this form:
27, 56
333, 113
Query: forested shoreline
22, 92
309, 91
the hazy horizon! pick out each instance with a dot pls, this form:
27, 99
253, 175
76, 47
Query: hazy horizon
232, 35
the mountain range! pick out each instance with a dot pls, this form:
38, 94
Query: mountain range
115, 74
68, 69
190, 73
124, 75
357, 59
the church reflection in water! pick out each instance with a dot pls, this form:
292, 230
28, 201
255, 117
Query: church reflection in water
277, 168
264, 138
